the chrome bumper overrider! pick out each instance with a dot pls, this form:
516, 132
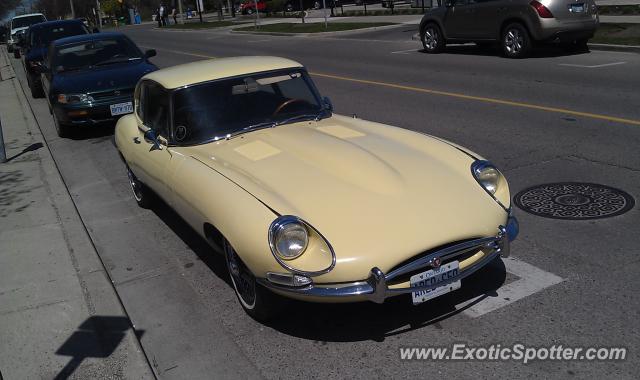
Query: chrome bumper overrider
375, 287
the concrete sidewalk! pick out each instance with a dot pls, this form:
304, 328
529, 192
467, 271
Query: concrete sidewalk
59, 314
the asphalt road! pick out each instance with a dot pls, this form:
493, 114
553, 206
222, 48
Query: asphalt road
553, 117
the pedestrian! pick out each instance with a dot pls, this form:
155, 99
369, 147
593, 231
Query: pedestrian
158, 18
163, 15
175, 16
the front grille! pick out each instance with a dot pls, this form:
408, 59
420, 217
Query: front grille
112, 93
459, 256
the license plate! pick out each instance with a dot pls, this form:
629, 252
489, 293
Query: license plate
576, 8
433, 277
121, 108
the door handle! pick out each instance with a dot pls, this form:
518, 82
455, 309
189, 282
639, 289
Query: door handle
136, 140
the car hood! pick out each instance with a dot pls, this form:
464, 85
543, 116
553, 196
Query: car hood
379, 194
124, 75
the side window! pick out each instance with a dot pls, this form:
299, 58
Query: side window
155, 108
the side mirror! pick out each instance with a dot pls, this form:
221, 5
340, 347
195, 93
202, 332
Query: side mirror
151, 135
96, 30
326, 103
150, 53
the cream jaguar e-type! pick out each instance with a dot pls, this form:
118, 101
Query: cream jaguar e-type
303, 202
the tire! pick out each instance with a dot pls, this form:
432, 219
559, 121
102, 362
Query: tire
432, 39
515, 41
141, 193
36, 89
257, 301
62, 130
249, 11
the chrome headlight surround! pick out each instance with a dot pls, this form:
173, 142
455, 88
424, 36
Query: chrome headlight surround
75, 98
492, 181
276, 231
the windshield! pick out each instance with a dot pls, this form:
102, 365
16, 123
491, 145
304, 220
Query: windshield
23, 22
226, 107
87, 54
44, 36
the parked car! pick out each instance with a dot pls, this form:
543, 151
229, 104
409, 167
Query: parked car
89, 79
516, 24
305, 203
36, 43
20, 24
247, 8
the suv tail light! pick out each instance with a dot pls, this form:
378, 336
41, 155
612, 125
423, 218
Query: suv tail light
543, 11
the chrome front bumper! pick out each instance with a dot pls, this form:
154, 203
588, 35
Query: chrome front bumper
375, 287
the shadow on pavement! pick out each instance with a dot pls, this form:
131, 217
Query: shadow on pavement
96, 337
370, 321
87, 133
544, 51
30, 148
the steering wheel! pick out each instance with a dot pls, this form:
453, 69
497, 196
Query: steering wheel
287, 103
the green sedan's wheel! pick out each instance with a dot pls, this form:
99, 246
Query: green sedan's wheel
61, 129
141, 193
257, 301
432, 38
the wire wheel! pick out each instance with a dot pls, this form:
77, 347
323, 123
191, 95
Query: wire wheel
243, 280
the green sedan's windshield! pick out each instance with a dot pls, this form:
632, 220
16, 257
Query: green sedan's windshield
227, 107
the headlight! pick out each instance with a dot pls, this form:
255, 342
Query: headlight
298, 247
74, 98
289, 237
494, 183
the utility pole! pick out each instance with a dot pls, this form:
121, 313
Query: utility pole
180, 11
99, 15
324, 10
3, 153
73, 11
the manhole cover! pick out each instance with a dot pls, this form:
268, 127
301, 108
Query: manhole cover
571, 200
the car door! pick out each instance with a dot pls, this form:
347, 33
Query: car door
458, 20
152, 158
486, 18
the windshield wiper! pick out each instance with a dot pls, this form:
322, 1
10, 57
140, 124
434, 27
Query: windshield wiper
109, 62
306, 116
271, 124
251, 128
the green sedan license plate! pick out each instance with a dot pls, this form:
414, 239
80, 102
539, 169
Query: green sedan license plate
433, 277
121, 108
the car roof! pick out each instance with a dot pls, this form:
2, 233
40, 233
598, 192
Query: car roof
54, 23
28, 15
87, 38
218, 68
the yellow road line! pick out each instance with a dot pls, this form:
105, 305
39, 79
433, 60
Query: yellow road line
483, 99
457, 95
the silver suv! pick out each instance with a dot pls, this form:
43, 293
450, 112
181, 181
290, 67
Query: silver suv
516, 24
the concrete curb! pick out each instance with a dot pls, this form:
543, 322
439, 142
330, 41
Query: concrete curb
609, 47
340, 32
101, 298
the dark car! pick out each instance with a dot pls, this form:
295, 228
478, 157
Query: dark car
36, 43
515, 24
89, 80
